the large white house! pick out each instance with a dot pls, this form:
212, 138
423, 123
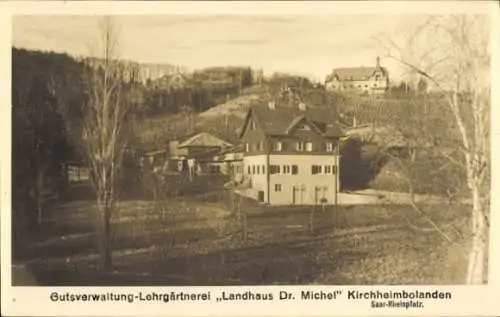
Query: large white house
367, 80
291, 155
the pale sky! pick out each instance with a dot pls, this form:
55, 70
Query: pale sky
306, 45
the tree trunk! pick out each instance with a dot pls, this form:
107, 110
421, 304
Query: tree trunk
104, 213
477, 252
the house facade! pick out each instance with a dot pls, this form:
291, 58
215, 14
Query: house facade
290, 154
363, 80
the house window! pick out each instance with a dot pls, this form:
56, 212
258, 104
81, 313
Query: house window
258, 169
295, 169
286, 169
329, 147
309, 146
253, 169
277, 187
263, 169
274, 169
334, 169
299, 146
249, 170
253, 126
328, 169
247, 147
278, 146
316, 169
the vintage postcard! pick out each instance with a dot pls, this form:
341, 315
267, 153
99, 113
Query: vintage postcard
249, 158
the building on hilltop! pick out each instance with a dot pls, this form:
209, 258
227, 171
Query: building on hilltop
291, 154
365, 80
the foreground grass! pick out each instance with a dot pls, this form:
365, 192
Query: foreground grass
199, 242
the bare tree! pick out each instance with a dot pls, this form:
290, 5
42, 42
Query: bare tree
452, 54
103, 142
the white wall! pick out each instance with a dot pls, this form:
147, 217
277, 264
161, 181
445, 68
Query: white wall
346, 86
304, 179
259, 181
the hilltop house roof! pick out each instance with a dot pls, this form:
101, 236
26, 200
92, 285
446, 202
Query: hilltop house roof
281, 119
356, 73
204, 139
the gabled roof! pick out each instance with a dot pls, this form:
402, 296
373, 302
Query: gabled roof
204, 139
281, 119
301, 119
355, 73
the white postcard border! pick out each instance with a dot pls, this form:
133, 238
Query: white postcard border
466, 300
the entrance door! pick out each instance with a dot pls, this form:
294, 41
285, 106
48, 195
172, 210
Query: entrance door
299, 194
261, 195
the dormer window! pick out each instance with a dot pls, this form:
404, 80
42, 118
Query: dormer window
309, 146
278, 146
253, 126
329, 147
299, 146
247, 147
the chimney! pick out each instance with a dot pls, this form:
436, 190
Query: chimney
272, 105
378, 62
302, 106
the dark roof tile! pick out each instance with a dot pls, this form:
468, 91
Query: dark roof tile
355, 73
278, 121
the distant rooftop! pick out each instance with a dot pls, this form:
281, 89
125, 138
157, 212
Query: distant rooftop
204, 139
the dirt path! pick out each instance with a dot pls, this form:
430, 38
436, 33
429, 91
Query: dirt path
373, 197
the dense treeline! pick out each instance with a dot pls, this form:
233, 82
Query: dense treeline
47, 99
201, 91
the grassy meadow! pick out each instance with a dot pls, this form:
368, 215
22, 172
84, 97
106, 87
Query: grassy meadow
207, 240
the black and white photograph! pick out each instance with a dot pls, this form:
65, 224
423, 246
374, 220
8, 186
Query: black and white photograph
252, 149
